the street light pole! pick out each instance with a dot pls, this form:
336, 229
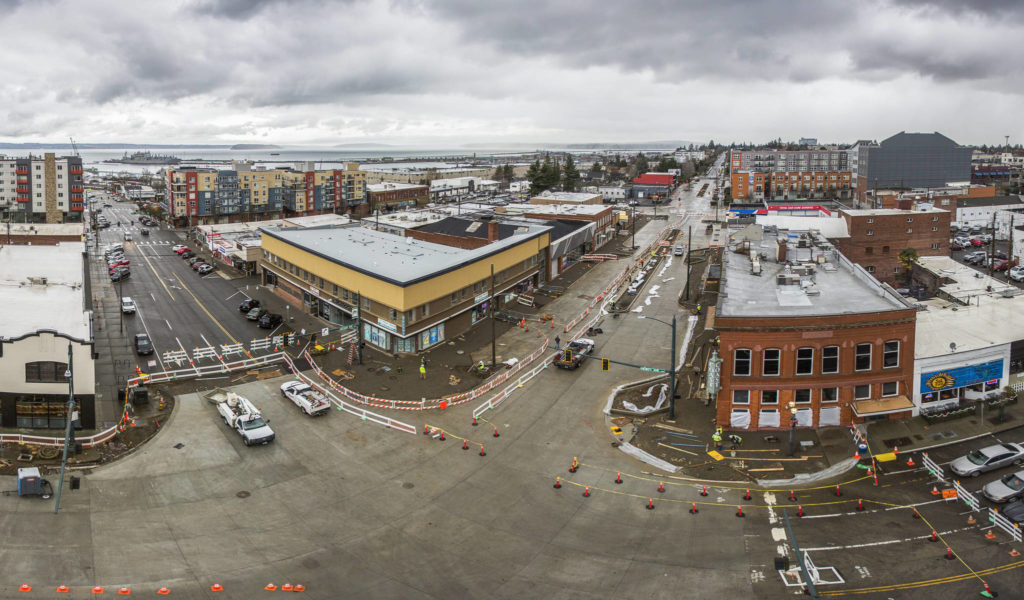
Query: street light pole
633, 244
792, 425
69, 373
671, 366
494, 355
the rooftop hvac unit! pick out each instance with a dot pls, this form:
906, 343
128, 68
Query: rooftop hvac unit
813, 292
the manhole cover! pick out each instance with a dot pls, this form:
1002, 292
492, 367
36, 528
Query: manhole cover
243, 494
408, 485
179, 446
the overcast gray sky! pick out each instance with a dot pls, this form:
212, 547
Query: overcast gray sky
497, 71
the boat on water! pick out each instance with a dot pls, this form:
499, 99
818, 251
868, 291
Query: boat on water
145, 158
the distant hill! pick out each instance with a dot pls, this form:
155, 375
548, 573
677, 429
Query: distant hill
116, 146
364, 145
255, 147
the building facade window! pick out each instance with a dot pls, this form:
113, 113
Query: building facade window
830, 394
769, 396
805, 361
891, 354
890, 388
741, 396
770, 362
741, 362
862, 358
830, 360
45, 371
802, 396
862, 392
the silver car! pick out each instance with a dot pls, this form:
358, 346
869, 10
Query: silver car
977, 462
1005, 488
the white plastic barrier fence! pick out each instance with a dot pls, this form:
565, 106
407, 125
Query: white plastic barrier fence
207, 352
345, 406
222, 367
231, 349
933, 468
1005, 524
260, 344
969, 499
178, 357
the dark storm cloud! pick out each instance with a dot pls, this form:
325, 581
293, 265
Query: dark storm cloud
233, 9
994, 8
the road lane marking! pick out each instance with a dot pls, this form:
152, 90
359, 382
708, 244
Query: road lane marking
200, 304
157, 275
168, 325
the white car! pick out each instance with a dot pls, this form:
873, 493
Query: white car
177, 247
1017, 273
127, 305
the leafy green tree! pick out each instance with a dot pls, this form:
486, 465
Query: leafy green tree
570, 175
535, 176
666, 163
907, 257
556, 174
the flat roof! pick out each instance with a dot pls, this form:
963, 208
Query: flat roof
830, 227
836, 287
988, 201
881, 212
965, 281
391, 187
989, 320
244, 227
398, 260
567, 197
555, 210
30, 305
44, 229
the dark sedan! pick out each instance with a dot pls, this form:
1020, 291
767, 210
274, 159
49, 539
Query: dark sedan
270, 320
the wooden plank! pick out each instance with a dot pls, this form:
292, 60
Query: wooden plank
671, 428
677, 449
767, 469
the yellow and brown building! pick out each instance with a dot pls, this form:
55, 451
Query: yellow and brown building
406, 294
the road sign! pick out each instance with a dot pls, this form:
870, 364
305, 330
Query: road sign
324, 332
653, 370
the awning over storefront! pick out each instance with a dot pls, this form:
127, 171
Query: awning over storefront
882, 406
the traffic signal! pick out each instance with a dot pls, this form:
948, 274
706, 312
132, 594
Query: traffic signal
605, 364
567, 355
285, 340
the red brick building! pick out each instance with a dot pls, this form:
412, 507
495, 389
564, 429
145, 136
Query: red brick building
877, 236
814, 339
393, 196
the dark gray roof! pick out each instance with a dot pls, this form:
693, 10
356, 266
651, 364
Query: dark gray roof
463, 227
990, 201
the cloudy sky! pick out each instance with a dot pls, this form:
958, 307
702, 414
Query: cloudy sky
446, 73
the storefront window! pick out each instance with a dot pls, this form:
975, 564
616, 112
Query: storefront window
431, 336
405, 345
41, 412
377, 336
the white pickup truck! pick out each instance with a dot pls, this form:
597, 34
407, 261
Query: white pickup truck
241, 415
312, 402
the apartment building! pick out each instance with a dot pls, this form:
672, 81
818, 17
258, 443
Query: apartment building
43, 189
909, 160
875, 238
770, 174
199, 196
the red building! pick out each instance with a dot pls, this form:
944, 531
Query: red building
808, 339
876, 238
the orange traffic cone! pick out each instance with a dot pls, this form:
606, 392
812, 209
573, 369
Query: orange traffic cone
747, 495
704, 491
299, 587
799, 510
935, 491
618, 477
465, 444
558, 483
739, 511
163, 591
98, 589
910, 462
216, 588
124, 591
270, 587
1014, 553
25, 588
860, 504
949, 553
661, 486
693, 509
496, 434
935, 536
990, 535
586, 491
62, 589
482, 453
287, 587
650, 504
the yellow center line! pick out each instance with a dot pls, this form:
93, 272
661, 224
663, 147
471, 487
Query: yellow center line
200, 304
158, 278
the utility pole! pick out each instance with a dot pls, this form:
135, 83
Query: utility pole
689, 251
633, 244
1009, 249
494, 355
672, 375
992, 245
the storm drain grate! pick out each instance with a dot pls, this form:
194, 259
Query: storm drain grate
903, 441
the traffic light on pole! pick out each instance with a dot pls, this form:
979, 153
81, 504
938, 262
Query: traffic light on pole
284, 340
605, 364
567, 355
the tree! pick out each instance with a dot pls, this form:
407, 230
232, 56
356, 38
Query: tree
689, 169
535, 176
556, 174
666, 163
570, 175
907, 257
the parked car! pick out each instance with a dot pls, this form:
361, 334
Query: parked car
985, 238
1000, 255
1014, 511
1006, 488
143, 345
955, 245
178, 248
181, 250
976, 257
255, 314
194, 260
127, 305
188, 254
976, 462
248, 304
119, 275
196, 265
999, 264
205, 269
678, 250
1017, 273
119, 262
976, 242
270, 320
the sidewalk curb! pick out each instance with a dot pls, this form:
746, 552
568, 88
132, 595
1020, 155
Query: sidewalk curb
839, 468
